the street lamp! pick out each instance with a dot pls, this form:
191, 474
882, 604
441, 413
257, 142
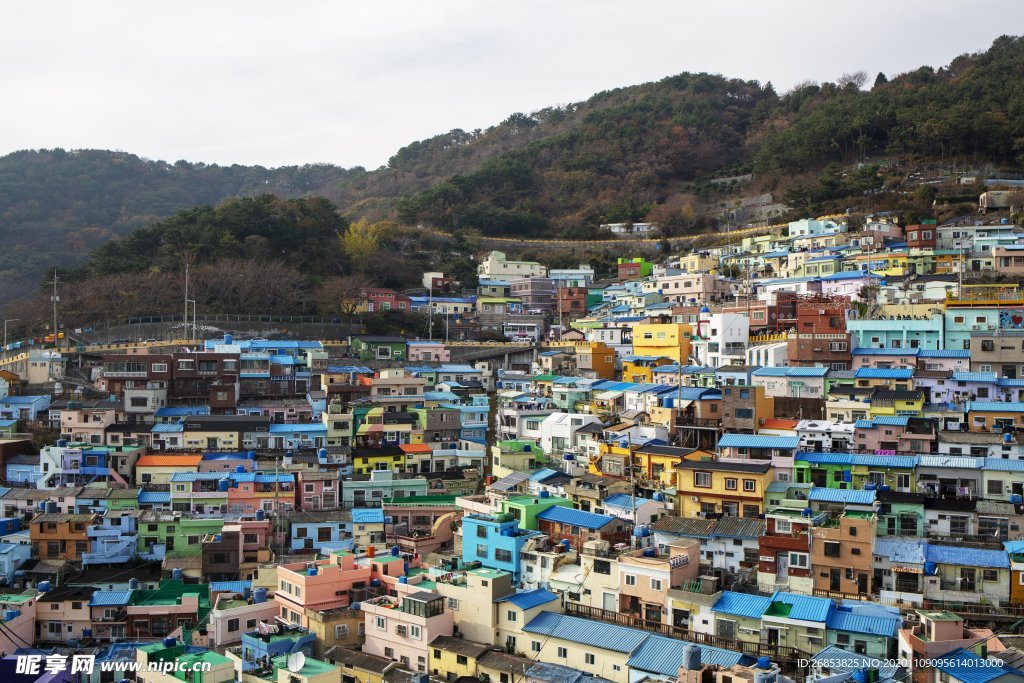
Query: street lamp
9, 320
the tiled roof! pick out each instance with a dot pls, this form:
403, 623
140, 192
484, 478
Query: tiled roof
564, 515
742, 604
757, 441
587, 632
738, 527
685, 526
968, 557
529, 599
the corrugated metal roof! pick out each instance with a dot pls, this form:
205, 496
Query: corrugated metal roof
624, 500
110, 598
843, 661
841, 620
883, 373
587, 520
304, 428
154, 497
739, 527
995, 406
824, 459
853, 496
529, 599
368, 515
229, 586
587, 632
892, 420
804, 607
952, 461
901, 552
967, 557
169, 461
757, 441
870, 351
806, 372
1000, 465
663, 656
944, 353
769, 372
968, 667
742, 604
974, 377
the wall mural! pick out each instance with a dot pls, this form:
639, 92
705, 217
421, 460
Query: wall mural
1011, 319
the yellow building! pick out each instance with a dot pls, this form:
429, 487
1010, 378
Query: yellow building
361, 667
158, 469
698, 263
452, 657
640, 369
671, 340
879, 263
717, 487
893, 403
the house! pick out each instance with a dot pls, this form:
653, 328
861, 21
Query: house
719, 487
63, 615
378, 348
402, 628
25, 408
578, 527
963, 574
57, 536
866, 628
842, 553
496, 266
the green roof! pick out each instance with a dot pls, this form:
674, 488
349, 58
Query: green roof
778, 609
420, 500
546, 377
312, 667
535, 500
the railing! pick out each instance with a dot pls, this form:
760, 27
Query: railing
782, 655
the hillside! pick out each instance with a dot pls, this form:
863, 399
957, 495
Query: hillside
642, 152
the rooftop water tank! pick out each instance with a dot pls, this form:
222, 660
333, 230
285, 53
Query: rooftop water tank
228, 339
133, 584
885, 488
691, 657
86, 632
870, 486
240, 469
395, 551
224, 485
508, 531
545, 494
641, 531
658, 497
259, 595
357, 606
566, 543
375, 583
321, 453
311, 571
43, 586
10, 614
261, 515
403, 579
764, 663
62, 443
930, 568
1007, 437
1016, 498
807, 512
170, 642
527, 448
650, 552
251, 455
51, 506
177, 574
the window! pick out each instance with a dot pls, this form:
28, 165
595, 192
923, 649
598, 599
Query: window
481, 531
562, 653
831, 549
630, 579
232, 625
341, 631
744, 413
702, 479
414, 632
389, 652
380, 623
799, 560
730, 484
990, 575
783, 526
481, 550
535, 644
512, 615
655, 584
995, 487
588, 658
502, 555
749, 485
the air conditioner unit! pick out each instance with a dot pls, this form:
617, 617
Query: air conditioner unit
975, 327
695, 499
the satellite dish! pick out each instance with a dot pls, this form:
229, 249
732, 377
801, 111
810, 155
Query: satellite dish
296, 661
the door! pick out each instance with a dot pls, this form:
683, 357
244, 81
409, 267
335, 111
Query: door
771, 637
782, 566
610, 602
862, 583
833, 579
968, 579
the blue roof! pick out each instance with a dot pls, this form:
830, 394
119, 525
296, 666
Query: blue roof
229, 586
1006, 382
883, 373
542, 474
587, 632
563, 515
349, 369
968, 667
110, 598
624, 500
757, 441
973, 377
529, 599
23, 400
903, 552
181, 411
969, 557
1000, 465
304, 427
843, 661
368, 515
871, 624
168, 428
742, 604
282, 360
154, 497
806, 372
944, 353
769, 372
664, 656
870, 351
995, 406
850, 275
804, 607
822, 494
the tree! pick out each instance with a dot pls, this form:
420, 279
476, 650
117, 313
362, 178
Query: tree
880, 79
342, 296
853, 81
361, 243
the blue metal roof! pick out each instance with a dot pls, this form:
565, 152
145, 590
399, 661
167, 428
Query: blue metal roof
529, 599
110, 598
663, 656
229, 586
758, 441
168, 428
804, 607
843, 661
973, 377
154, 497
944, 353
902, 552
1005, 382
850, 275
968, 557
871, 351
769, 372
967, 667
349, 369
367, 515
883, 373
587, 632
181, 411
563, 515
742, 604
624, 500
806, 372
543, 474
995, 406
822, 494
1000, 465
875, 625
304, 428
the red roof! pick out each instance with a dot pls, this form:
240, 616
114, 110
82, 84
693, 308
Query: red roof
169, 461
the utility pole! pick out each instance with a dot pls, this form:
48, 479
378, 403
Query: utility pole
54, 298
9, 320
186, 300
430, 310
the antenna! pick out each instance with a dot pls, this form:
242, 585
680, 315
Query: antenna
296, 661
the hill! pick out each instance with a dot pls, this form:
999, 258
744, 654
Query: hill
656, 151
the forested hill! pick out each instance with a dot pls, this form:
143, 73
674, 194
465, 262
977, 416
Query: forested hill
56, 206
641, 152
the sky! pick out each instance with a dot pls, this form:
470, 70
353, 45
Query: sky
349, 83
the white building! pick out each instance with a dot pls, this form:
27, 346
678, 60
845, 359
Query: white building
497, 267
768, 355
572, 277
816, 435
558, 431
722, 339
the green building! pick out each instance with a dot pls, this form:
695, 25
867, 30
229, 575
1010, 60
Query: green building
378, 348
526, 508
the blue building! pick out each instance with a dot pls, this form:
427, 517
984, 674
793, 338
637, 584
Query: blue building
897, 334
298, 436
495, 542
12, 556
321, 536
29, 408
286, 641
24, 469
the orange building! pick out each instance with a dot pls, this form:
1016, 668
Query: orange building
841, 553
57, 536
596, 361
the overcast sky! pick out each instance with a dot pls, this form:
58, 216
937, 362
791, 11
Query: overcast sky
348, 82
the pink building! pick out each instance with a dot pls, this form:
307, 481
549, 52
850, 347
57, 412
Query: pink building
88, 425
267, 492
233, 615
320, 585
428, 352
885, 359
318, 490
401, 629
226, 463
645, 578
900, 434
